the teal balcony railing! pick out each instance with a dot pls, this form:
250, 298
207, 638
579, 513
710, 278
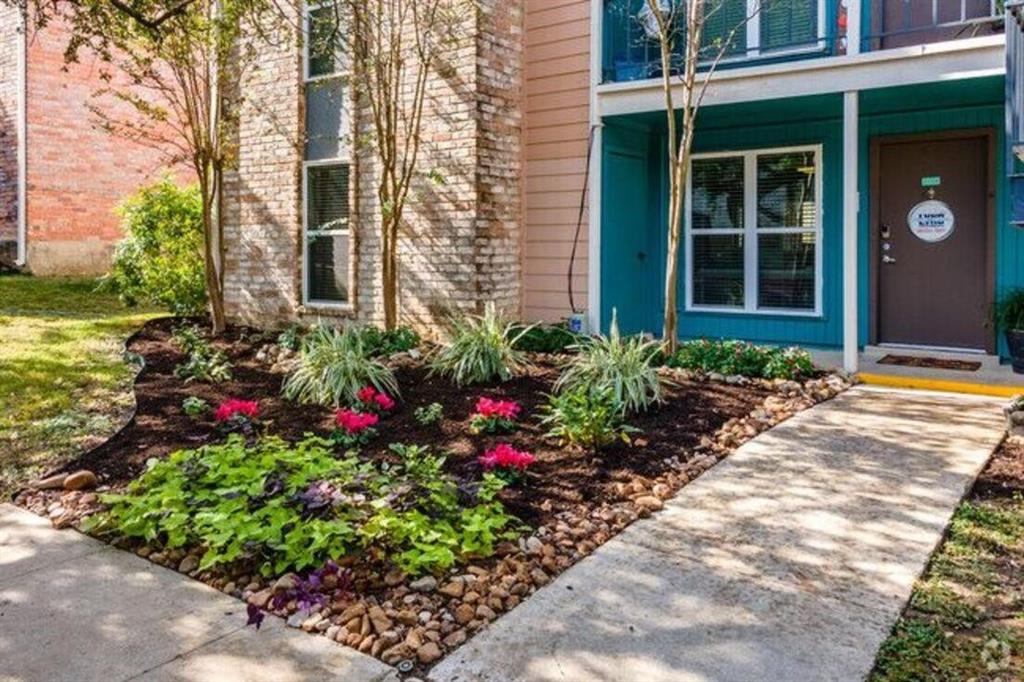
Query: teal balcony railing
899, 23
749, 33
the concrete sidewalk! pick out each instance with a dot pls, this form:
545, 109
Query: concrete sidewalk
72, 608
789, 561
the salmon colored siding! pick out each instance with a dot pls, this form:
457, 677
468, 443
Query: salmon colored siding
557, 94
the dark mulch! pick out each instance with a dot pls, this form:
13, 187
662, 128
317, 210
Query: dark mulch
1004, 474
562, 478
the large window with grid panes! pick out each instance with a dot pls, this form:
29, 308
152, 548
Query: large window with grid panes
326, 176
753, 232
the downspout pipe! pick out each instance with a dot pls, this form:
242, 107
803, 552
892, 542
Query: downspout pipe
22, 123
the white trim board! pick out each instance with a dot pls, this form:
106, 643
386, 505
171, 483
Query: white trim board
945, 61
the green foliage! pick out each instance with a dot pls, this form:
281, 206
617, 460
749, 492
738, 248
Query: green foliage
429, 414
589, 417
293, 507
204, 363
290, 338
334, 365
627, 366
1009, 311
380, 342
194, 407
547, 338
743, 359
482, 349
160, 260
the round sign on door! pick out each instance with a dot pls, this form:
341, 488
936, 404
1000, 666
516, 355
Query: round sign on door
931, 221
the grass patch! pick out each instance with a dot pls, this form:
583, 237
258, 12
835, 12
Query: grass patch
966, 616
63, 381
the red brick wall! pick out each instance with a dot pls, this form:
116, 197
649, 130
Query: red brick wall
77, 172
8, 130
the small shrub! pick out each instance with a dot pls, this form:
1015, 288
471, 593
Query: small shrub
547, 338
429, 414
334, 365
283, 507
481, 350
507, 463
627, 366
494, 416
741, 358
290, 338
589, 417
208, 366
188, 338
160, 260
354, 429
195, 407
1009, 311
380, 342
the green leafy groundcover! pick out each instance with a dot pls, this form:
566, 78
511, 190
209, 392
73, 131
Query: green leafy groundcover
744, 359
293, 507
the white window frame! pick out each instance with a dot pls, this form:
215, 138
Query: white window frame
753, 38
345, 158
751, 234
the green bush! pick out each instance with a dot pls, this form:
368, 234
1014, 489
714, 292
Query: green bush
481, 350
429, 414
194, 407
294, 507
743, 359
160, 259
204, 362
334, 365
625, 365
380, 342
1009, 312
547, 338
589, 417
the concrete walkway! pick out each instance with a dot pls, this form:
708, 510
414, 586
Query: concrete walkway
72, 608
789, 561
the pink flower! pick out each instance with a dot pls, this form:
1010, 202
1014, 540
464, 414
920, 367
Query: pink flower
501, 409
384, 402
504, 456
355, 422
366, 395
229, 409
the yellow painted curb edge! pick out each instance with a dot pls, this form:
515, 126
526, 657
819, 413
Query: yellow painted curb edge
940, 385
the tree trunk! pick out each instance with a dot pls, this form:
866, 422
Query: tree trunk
390, 273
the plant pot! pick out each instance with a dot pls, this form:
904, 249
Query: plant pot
1015, 340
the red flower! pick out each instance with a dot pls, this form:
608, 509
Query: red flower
355, 422
501, 409
504, 456
229, 409
384, 402
366, 395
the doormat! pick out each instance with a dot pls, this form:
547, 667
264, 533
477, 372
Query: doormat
930, 363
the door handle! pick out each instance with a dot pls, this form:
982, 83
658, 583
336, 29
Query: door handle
886, 232
888, 260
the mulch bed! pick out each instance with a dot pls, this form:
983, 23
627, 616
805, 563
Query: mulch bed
1004, 474
561, 478
573, 501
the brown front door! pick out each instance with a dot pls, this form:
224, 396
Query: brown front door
932, 244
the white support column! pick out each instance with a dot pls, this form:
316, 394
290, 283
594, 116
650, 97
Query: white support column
851, 211
594, 207
853, 19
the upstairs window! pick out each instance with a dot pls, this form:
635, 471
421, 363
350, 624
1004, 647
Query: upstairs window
327, 181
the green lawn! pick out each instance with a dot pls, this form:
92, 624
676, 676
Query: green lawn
966, 616
64, 384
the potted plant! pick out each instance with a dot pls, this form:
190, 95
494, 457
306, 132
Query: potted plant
1010, 318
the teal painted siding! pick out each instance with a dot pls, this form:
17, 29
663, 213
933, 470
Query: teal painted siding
629, 228
635, 197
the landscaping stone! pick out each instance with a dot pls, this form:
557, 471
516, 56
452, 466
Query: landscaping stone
80, 480
425, 584
189, 564
428, 653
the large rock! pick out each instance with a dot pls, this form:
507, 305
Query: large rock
80, 480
